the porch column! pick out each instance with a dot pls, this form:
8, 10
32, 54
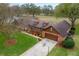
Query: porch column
43, 34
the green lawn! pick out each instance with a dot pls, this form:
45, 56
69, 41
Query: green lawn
59, 51
77, 29
24, 42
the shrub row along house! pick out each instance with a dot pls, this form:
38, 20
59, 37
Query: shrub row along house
45, 29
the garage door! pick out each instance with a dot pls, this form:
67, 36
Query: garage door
51, 36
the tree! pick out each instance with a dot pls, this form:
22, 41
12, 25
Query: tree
25, 8
38, 10
31, 9
3, 12
6, 27
8, 30
50, 10
6, 12
69, 10
47, 10
15, 10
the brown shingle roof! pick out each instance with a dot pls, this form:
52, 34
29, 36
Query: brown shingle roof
24, 21
62, 27
39, 24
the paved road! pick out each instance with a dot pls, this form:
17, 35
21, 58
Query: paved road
42, 48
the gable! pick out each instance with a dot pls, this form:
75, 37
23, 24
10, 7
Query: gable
62, 28
51, 30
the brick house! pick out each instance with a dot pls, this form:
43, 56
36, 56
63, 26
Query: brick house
45, 29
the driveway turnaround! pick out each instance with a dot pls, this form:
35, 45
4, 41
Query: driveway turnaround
42, 48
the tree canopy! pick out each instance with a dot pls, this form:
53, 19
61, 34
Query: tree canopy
37, 10
47, 10
31, 9
69, 10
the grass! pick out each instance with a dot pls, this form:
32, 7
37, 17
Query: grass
24, 42
60, 51
54, 19
50, 18
77, 29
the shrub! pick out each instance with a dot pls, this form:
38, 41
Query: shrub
72, 31
68, 43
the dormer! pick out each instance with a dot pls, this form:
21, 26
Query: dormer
45, 24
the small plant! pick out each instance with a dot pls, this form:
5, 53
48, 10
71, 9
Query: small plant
68, 43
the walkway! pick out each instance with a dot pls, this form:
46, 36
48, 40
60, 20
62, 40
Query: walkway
42, 48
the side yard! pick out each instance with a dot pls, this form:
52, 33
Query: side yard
60, 51
23, 43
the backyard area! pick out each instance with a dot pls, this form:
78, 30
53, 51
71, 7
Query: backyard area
23, 43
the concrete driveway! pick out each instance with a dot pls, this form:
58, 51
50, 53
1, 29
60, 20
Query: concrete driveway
42, 48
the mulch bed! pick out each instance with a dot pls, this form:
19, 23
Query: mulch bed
10, 42
60, 46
